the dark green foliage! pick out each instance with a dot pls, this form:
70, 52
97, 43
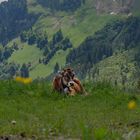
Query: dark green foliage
24, 36
46, 51
50, 55
130, 33
63, 44
12, 70
42, 41
58, 42
32, 39
57, 37
15, 46
137, 64
66, 44
72, 5
14, 18
64, 5
124, 34
56, 68
5, 53
137, 58
8, 70
24, 71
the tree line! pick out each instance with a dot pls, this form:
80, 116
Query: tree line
40, 40
63, 5
49, 48
14, 18
10, 69
115, 36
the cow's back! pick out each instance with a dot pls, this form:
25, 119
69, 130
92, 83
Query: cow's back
57, 85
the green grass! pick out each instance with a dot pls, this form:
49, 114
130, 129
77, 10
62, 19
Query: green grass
26, 53
103, 115
42, 70
77, 26
115, 67
30, 53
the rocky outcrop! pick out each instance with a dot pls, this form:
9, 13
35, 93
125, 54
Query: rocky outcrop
114, 6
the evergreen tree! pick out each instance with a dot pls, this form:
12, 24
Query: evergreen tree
24, 71
42, 41
56, 68
64, 5
57, 37
32, 39
24, 36
14, 19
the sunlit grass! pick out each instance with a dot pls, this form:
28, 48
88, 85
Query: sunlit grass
38, 110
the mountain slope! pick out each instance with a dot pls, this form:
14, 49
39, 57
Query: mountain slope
75, 24
114, 38
120, 69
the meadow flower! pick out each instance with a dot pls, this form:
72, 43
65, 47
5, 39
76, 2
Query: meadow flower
27, 80
19, 79
23, 80
132, 105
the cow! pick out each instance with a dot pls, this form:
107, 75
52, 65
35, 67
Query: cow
66, 82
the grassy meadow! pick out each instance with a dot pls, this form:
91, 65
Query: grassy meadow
36, 111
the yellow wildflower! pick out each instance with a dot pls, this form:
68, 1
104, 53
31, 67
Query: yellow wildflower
132, 105
23, 80
19, 79
27, 80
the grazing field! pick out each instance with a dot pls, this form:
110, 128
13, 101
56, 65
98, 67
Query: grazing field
35, 111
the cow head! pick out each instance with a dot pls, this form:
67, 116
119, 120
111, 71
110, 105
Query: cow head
67, 76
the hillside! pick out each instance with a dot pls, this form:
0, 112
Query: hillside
76, 22
116, 41
75, 25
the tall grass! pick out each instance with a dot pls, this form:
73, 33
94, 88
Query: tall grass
41, 112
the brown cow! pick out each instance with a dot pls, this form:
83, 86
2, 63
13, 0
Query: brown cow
75, 87
66, 82
61, 80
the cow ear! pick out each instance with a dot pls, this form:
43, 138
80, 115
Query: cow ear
62, 73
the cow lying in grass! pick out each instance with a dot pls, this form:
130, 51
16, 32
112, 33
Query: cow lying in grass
66, 82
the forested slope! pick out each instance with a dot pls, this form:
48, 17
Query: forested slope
114, 38
52, 29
